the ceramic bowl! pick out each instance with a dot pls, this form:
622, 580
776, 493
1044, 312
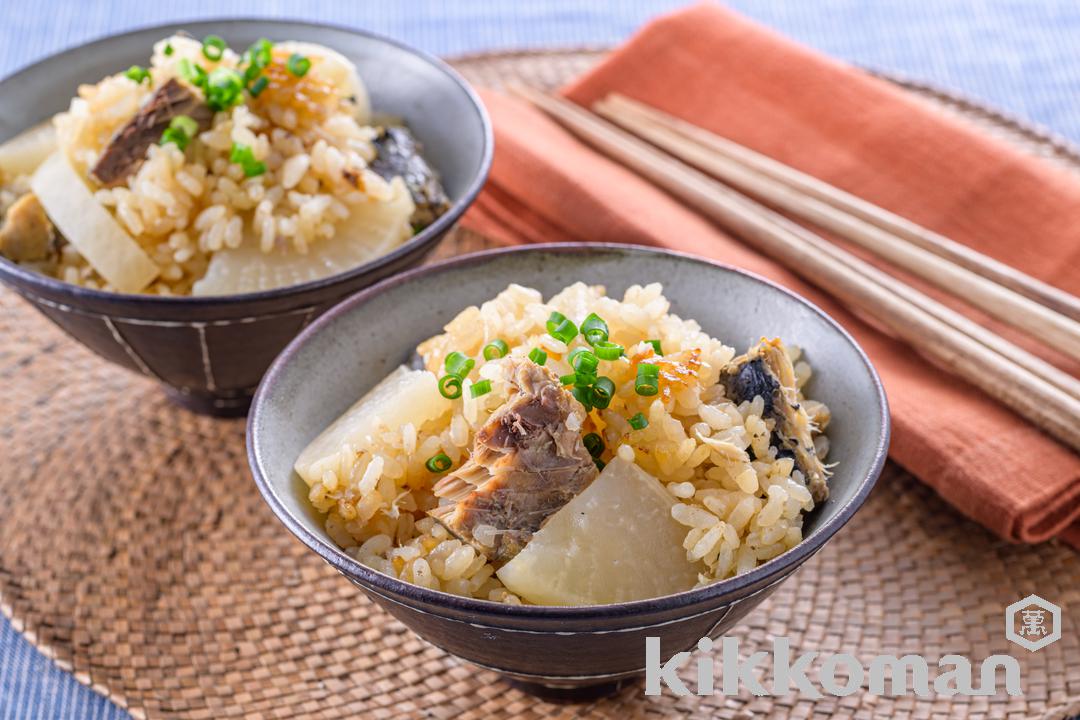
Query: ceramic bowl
346, 351
209, 353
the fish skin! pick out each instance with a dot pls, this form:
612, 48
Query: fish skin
127, 150
766, 371
526, 464
398, 155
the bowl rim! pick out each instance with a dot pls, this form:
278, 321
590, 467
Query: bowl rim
388, 587
427, 236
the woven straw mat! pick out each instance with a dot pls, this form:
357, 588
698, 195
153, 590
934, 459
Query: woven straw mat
136, 552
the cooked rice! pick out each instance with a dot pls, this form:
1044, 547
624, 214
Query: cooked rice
182, 207
738, 512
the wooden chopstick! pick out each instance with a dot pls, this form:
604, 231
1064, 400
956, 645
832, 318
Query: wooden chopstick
743, 177
1052, 297
1029, 395
1049, 326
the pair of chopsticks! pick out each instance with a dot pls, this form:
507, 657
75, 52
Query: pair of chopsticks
689, 162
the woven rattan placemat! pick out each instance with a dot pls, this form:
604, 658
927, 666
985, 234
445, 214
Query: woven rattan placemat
136, 552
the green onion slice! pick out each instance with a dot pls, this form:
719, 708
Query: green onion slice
459, 364
584, 379
656, 346
496, 349
648, 379
608, 350
450, 386
639, 421
560, 328
602, 390
213, 47
594, 329
584, 396
168, 49
600, 464
480, 388
568, 379
224, 87
439, 463
259, 54
583, 361
298, 65
258, 86
538, 356
192, 72
243, 156
137, 74
594, 444
180, 132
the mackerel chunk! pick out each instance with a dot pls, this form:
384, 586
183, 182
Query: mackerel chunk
527, 462
398, 155
127, 150
766, 372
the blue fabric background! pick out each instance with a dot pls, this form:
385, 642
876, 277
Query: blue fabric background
1016, 54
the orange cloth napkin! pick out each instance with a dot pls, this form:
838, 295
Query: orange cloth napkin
742, 81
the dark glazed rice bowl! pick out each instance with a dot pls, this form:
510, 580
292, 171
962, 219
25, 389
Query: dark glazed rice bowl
335, 361
210, 352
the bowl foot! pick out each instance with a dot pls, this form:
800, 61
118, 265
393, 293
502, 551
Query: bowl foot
584, 693
210, 405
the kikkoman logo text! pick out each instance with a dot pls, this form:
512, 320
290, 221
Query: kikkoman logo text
886, 674
842, 674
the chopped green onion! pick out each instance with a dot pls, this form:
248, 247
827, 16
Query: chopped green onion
256, 58
259, 54
568, 379
594, 329
243, 156
439, 463
594, 444
480, 388
656, 346
168, 49
496, 349
639, 421
258, 86
185, 124
213, 47
648, 379
602, 390
608, 350
137, 74
584, 379
600, 464
583, 361
458, 364
560, 328
450, 387
298, 65
180, 132
192, 72
583, 395
224, 87
538, 356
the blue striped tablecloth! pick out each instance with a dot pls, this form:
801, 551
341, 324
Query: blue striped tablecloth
1016, 54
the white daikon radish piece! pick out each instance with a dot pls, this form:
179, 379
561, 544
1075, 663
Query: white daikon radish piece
615, 542
90, 228
373, 228
403, 396
22, 154
334, 68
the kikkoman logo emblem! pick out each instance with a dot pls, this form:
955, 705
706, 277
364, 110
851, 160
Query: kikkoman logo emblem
1027, 620
1032, 623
